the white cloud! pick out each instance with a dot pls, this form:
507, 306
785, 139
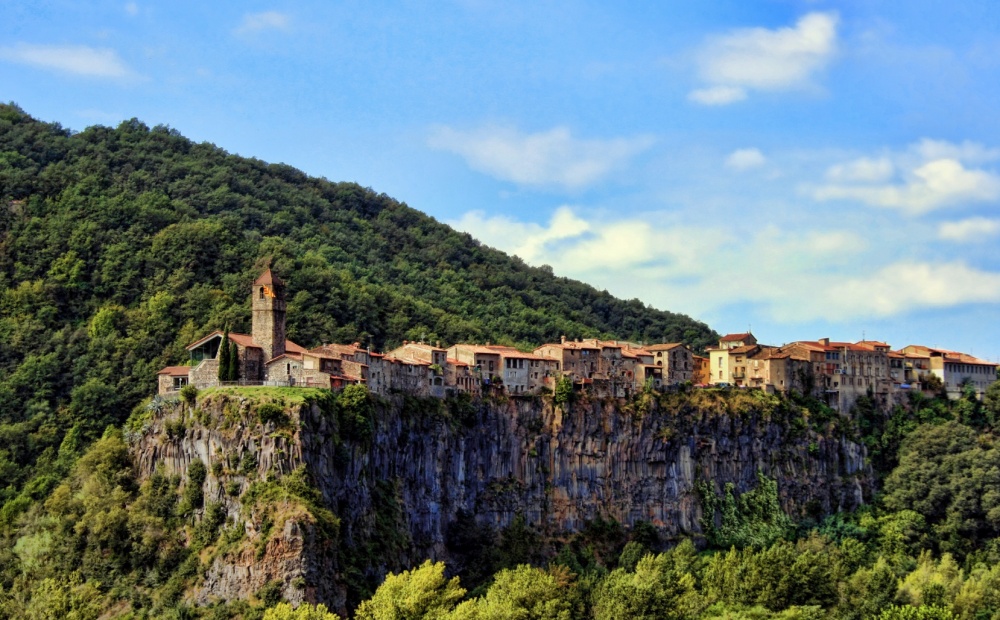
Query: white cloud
76, 59
744, 159
971, 229
550, 158
932, 185
524, 239
864, 170
762, 59
902, 286
718, 95
267, 20
968, 152
796, 276
132, 8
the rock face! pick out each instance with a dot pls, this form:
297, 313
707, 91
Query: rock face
558, 467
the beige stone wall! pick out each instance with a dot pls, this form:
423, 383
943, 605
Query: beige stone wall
205, 374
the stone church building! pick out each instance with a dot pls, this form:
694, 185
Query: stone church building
265, 355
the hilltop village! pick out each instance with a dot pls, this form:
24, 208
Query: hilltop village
836, 372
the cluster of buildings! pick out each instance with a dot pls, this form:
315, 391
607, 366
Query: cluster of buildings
840, 372
836, 371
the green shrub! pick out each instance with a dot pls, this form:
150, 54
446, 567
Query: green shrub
272, 412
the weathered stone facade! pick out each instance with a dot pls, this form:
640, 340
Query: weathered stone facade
268, 304
558, 467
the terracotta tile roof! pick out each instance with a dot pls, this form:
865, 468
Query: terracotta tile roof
246, 341
420, 345
455, 362
570, 345
407, 360
291, 356
965, 358
514, 353
268, 278
476, 349
666, 346
813, 345
735, 337
747, 348
175, 371
336, 350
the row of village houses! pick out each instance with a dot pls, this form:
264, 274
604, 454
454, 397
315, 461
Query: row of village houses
838, 372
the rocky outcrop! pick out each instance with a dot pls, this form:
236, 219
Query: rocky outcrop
423, 463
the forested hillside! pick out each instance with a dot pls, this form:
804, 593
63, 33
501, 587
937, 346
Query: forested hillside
120, 246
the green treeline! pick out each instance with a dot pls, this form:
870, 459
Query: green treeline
120, 246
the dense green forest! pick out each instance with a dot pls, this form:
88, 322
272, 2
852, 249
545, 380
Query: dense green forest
118, 247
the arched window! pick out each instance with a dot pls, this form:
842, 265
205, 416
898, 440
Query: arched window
262, 292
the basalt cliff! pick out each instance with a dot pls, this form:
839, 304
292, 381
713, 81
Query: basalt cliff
321, 492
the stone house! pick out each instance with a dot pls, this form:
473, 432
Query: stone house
676, 359
461, 378
579, 361
415, 359
172, 379
483, 362
955, 369
525, 373
724, 365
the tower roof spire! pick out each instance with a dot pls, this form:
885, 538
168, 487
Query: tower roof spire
268, 278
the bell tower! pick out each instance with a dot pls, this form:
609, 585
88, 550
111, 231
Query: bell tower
267, 299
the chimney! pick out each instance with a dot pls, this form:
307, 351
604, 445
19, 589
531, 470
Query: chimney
562, 339
439, 344
824, 341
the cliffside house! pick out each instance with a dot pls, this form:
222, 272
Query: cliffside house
953, 368
676, 359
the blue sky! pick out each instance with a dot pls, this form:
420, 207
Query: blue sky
804, 168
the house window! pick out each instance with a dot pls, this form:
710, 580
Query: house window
262, 292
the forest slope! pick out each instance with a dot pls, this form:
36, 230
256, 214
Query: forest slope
120, 246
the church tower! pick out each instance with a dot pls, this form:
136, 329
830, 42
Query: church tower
268, 303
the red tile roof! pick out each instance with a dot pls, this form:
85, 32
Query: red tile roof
476, 349
246, 341
175, 371
268, 278
514, 353
291, 356
570, 345
735, 337
666, 346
